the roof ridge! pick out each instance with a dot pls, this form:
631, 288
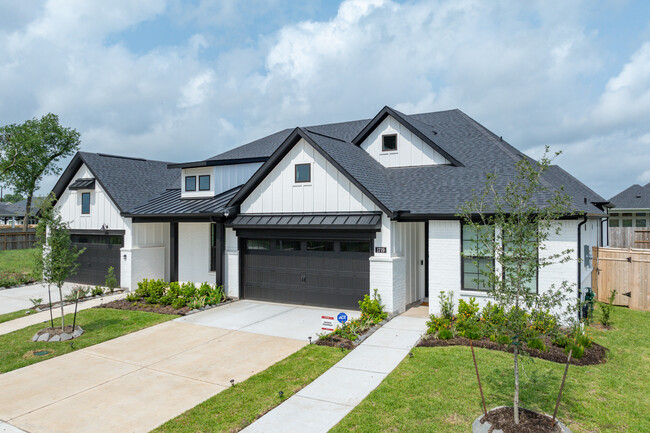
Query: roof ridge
108, 155
323, 135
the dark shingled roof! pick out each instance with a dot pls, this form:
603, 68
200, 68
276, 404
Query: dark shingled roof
425, 190
170, 203
129, 182
634, 197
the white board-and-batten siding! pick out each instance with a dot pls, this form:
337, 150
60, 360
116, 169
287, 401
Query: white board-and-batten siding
328, 191
411, 150
222, 178
102, 209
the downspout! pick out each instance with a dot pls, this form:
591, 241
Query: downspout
580, 263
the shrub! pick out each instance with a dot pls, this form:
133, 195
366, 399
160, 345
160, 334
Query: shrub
445, 334
536, 343
179, 303
197, 302
97, 291
467, 317
9, 279
577, 351
372, 309
36, 301
543, 321
132, 297
503, 339
446, 304
216, 296
493, 315
560, 340
606, 310
111, 280
435, 324
79, 292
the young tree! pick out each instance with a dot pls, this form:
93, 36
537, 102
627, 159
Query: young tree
56, 259
30, 151
508, 224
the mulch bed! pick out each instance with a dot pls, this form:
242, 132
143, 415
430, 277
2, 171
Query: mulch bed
596, 354
529, 421
335, 341
123, 304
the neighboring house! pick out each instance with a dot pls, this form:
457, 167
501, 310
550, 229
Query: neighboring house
14, 213
631, 214
322, 215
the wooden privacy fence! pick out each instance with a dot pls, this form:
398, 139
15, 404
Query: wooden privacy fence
625, 270
16, 239
629, 237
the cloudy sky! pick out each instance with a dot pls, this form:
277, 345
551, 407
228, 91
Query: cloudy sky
184, 80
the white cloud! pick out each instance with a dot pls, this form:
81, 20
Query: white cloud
517, 67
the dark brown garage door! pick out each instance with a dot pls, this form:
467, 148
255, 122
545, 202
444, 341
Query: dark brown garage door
102, 252
331, 273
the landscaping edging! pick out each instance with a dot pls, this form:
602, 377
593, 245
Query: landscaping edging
479, 426
45, 336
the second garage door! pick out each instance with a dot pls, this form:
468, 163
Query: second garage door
332, 273
101, 252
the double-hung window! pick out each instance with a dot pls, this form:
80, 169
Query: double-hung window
478, 257
520, 264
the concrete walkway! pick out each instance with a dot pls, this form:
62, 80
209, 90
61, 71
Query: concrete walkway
17, 298
322, 404
44, 316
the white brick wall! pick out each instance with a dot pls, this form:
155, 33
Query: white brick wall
444, 261
387, 275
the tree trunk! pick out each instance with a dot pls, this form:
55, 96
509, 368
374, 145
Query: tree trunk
61, 297
28, 208
516, 401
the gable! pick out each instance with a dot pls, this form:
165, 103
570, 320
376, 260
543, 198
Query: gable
103, 210
411, 149
328, 191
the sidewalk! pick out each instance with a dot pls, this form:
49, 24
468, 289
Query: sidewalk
44, 316
322, 404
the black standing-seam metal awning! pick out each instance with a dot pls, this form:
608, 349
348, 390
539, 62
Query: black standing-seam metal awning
87, 183
359, 221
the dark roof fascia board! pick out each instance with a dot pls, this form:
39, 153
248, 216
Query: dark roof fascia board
453, 217
387, 111
210, 163
96, 232
280, 153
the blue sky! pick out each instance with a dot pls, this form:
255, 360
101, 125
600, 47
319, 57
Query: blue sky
184, 80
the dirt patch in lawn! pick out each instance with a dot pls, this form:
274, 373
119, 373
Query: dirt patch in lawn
596, 354
336, 341
529, 421
123, 304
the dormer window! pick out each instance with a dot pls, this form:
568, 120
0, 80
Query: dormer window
389, 143
204, 182
303, 173
190, 183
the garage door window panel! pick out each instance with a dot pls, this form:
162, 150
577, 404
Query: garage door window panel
287, 245
320, 246
355, 247
258, 244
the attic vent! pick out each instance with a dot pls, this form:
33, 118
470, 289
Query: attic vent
585, 200
638, 196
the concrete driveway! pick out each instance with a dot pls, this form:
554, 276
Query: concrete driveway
17, 298
136, 382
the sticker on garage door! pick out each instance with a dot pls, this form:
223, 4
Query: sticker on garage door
327, 323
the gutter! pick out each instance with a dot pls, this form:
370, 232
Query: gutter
580, 262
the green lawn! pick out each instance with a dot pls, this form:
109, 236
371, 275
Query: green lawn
238, 406
18, 261
14, 315
99, 324
436, 390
